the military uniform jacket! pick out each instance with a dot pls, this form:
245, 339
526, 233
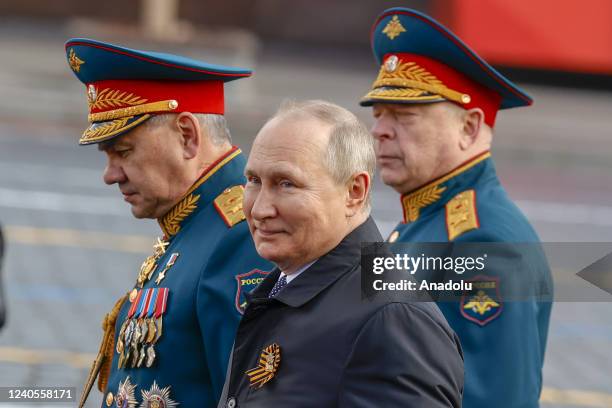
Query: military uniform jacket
191, 303
503, 342
319, 344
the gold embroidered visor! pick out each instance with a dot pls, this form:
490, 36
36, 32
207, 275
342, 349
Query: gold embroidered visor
118, 106
411, 78
98, 132
125, 87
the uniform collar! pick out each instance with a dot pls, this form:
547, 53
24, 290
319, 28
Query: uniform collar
224, 172
323, 273
439, 191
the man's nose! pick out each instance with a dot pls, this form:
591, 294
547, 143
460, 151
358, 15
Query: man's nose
113, 173
382, 129
263, 205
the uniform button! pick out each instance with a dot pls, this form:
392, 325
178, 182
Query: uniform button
231, 403
109, 399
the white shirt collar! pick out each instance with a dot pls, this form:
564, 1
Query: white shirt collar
296, 273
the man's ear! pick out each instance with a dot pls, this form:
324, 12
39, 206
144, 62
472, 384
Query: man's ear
189, 130
357, 188
472, 121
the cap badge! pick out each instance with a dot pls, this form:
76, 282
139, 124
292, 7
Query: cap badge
92, 94
394, 28
391, 63
74, 61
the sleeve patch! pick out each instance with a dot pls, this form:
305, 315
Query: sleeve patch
461, 214
229, 205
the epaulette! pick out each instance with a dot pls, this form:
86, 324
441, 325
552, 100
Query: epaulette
229, 205
461, 214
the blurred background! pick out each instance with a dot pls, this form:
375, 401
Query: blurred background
72, 247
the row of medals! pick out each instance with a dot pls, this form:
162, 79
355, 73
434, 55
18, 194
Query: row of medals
137, 337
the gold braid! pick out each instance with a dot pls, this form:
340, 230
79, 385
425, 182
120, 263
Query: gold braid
104, 359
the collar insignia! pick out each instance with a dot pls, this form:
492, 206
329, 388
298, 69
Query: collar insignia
171, 222
412, 203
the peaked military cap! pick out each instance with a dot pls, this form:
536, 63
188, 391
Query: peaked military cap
126, 87
422, 61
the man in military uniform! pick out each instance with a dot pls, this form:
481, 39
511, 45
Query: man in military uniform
434, 103
159, 120
308, 338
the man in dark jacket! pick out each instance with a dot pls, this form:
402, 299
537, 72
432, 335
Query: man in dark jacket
308, 338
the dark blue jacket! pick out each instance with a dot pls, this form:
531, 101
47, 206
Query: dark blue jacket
330, 347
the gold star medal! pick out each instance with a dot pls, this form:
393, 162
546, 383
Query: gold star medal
171, 261
267, 368
148, 266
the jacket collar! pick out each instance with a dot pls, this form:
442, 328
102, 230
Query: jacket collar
224, 172
323, 273
428, 197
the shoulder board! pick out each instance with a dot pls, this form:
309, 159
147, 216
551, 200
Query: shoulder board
229, 205
461, 214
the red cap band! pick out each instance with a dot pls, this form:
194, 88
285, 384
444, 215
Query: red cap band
192, 96
480, 96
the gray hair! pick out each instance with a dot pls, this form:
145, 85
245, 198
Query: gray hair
350, 148
215, 126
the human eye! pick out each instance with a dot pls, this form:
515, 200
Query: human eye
286, 183
404, 114
123, 151
253, 179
